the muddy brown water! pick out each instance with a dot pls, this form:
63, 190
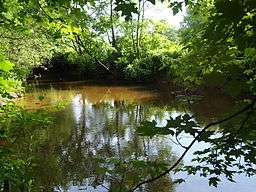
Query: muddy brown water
93, 145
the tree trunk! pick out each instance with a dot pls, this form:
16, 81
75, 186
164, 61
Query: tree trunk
112, 25
6, 186
138, 30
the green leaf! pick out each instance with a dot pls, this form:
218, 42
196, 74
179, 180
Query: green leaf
147, 128
6, 66
150, 129
250, 52
40, 97
126, 8
176, 7
178, 181
186, 117
174, 123
164, 131
213, 181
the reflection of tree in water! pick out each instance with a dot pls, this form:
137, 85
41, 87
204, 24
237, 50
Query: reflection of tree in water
94, 144
104, 149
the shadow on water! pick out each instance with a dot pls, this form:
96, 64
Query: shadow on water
93, 145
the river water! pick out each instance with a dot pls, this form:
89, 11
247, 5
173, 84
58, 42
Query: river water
93, 145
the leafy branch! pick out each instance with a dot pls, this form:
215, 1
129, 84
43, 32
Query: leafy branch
197, 138
44, 12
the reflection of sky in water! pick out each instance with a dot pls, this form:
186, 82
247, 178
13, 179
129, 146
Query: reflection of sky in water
95, 107
85, 188
193, 183
77, 107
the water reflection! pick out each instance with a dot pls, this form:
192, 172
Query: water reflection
104, 152
93, 145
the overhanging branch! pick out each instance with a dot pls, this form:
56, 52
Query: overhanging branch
248, 107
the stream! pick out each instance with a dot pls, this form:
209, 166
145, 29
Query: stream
93, 145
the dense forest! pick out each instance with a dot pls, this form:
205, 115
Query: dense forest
213, 49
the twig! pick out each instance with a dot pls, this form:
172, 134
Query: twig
104, 186
41, 8
178, 141
80, 42
174, 142
247, 117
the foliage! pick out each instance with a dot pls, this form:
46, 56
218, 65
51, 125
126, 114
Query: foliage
216, 47
16, 165
216, 55
8, 81
229, 150
93, 33
158, 50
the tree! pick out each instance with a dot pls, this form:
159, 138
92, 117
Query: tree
219, 57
